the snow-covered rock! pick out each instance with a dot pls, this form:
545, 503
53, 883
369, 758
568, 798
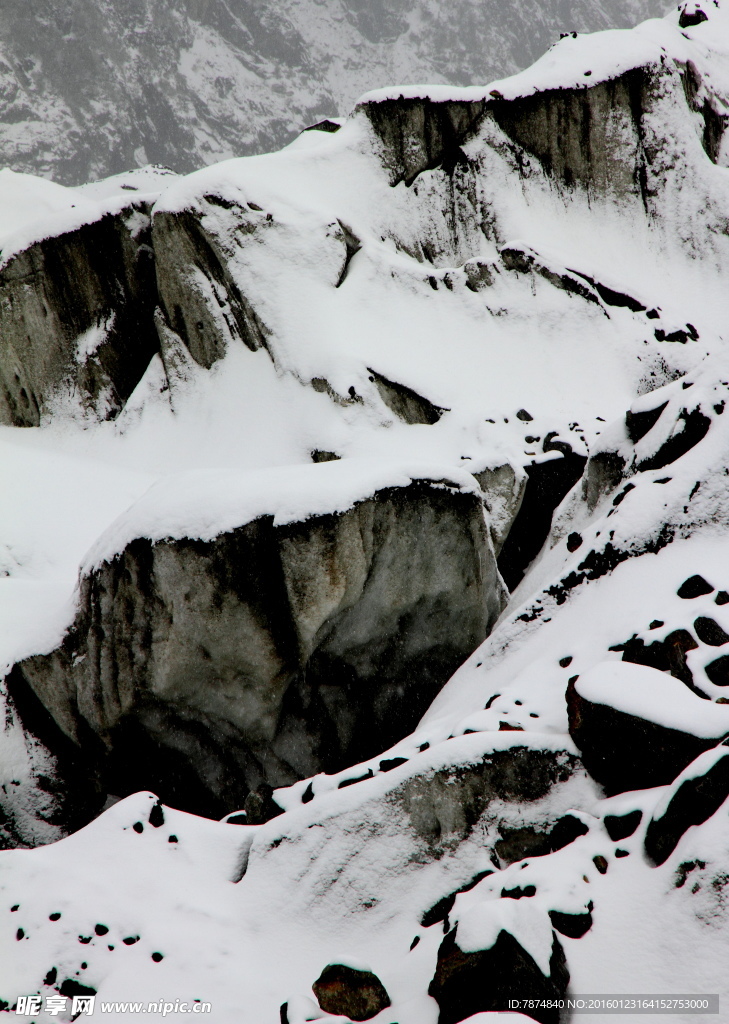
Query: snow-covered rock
521, 285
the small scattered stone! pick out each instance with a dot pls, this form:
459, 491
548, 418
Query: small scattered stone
138, 827
564, 662
344, 991
694, 586
600, 863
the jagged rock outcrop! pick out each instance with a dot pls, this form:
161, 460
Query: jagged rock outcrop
207, 668
76, 319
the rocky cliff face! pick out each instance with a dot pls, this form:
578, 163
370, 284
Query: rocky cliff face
76, 319
210, 669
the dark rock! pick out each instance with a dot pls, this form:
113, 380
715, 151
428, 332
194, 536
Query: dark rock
320, 455
281, 651
695, 427
369, 774
359, 995
574, 926
97, 278
71, 987
722, 597
717, 671
603, 473
639, 423
418, 134
392, 762
600, 863
525, 261
156, 816
623, 752
73, 790
407, 405
569, 132
667, 655
710, 632
202, 303
574, 541
620, 826
517, 893
522, 414
465, 984
691, 15
324, 126
692, 803
694, 586
547, 484
532, 841
439, 911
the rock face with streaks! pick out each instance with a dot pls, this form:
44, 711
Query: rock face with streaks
76, 319
205, 669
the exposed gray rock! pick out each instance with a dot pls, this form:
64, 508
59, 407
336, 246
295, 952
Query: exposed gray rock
407, 405
76, 318
504, 488
270, 653
416, 134
202, 301
443, 807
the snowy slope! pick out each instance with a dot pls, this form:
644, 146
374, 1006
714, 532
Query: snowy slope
486, 294
89, 89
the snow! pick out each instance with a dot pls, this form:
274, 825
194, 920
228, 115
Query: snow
32, 209
479, 928
654, 696
204, 504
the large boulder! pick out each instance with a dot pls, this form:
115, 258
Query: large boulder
637, 727
243, 631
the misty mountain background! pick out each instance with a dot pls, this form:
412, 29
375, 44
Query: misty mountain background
92, 87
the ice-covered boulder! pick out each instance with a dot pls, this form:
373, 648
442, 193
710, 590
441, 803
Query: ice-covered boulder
238, 630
